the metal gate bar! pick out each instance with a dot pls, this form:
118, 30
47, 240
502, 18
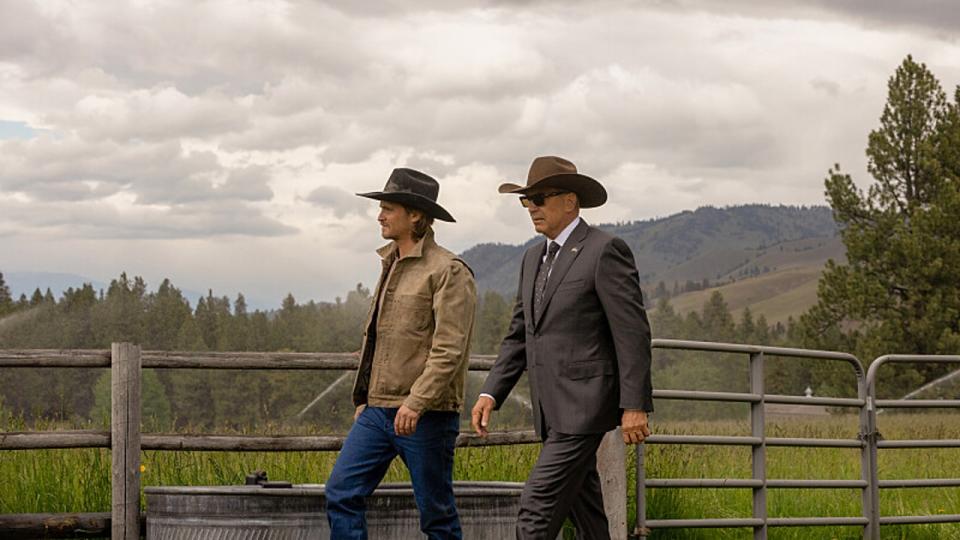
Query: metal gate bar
874, 404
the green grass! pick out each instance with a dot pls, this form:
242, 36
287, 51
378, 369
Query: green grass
78, 480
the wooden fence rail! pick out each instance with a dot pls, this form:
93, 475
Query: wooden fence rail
101, 358
242, 443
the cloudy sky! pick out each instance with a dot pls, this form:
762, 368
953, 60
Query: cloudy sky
220, 143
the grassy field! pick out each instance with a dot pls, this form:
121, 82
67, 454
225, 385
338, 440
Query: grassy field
78, 480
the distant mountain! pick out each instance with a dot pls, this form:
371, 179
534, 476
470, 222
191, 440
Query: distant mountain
716, 244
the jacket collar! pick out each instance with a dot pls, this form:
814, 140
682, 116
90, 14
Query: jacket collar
565, 233
389, 251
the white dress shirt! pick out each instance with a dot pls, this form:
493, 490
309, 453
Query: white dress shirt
561, 238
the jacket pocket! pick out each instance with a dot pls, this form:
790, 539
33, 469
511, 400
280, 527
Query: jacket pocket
570, 285
415, 311
586, 370
405, 361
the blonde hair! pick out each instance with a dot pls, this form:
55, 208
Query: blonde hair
422, 225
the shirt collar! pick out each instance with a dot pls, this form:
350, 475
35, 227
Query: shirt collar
561, 238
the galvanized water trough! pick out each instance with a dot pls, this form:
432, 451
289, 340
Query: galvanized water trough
488, 511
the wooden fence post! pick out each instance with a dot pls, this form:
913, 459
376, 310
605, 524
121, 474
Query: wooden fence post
125, 441
612, 466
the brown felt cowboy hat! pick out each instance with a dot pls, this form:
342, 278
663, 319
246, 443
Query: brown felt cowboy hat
556, 172
412, 188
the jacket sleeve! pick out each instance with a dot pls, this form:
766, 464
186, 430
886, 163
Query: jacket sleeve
618, 286
512, 359
454, 307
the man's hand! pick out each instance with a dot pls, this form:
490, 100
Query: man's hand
634, 425
480, 416
356, 413
406, 421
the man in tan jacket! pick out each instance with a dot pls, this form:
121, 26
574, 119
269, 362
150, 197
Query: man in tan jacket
413, 364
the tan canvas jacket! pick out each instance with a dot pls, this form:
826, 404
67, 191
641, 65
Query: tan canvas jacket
423, 330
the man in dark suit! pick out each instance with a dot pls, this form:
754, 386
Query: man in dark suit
580, 330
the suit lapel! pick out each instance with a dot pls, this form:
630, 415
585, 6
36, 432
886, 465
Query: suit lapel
571, 249
531, 263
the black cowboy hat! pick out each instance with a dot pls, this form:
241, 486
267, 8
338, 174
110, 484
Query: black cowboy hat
414, 189
556, 172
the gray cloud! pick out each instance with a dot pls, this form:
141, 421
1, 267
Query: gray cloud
827, 86
195, 44
158, 113
341, 202
497, 82
269, 132
937, 17
100, 220
163, 191
434, 165
155, 173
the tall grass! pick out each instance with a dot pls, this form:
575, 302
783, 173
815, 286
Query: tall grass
79, 481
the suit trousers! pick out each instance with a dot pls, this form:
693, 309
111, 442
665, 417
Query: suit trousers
564, 483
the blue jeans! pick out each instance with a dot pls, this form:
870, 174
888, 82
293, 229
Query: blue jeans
367, 452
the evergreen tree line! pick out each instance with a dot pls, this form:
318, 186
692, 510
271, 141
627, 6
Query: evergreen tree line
84, 318
204, 399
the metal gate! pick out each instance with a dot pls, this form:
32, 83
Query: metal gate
867, 442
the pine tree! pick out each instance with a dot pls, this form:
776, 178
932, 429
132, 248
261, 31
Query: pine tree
76, 315
6, 300
900, 289
288, 327
119, 316
166, 311
717, 322
661, 291
236, 336
747, 329
762, 334
211, 316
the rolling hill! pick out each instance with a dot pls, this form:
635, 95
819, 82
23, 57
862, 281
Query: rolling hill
788, 288
766, 257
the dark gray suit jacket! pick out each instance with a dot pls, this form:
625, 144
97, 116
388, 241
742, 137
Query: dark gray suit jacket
588, 356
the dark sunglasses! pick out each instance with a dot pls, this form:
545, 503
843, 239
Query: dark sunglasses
537, 199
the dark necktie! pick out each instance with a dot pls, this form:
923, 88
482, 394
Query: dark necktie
541, 284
